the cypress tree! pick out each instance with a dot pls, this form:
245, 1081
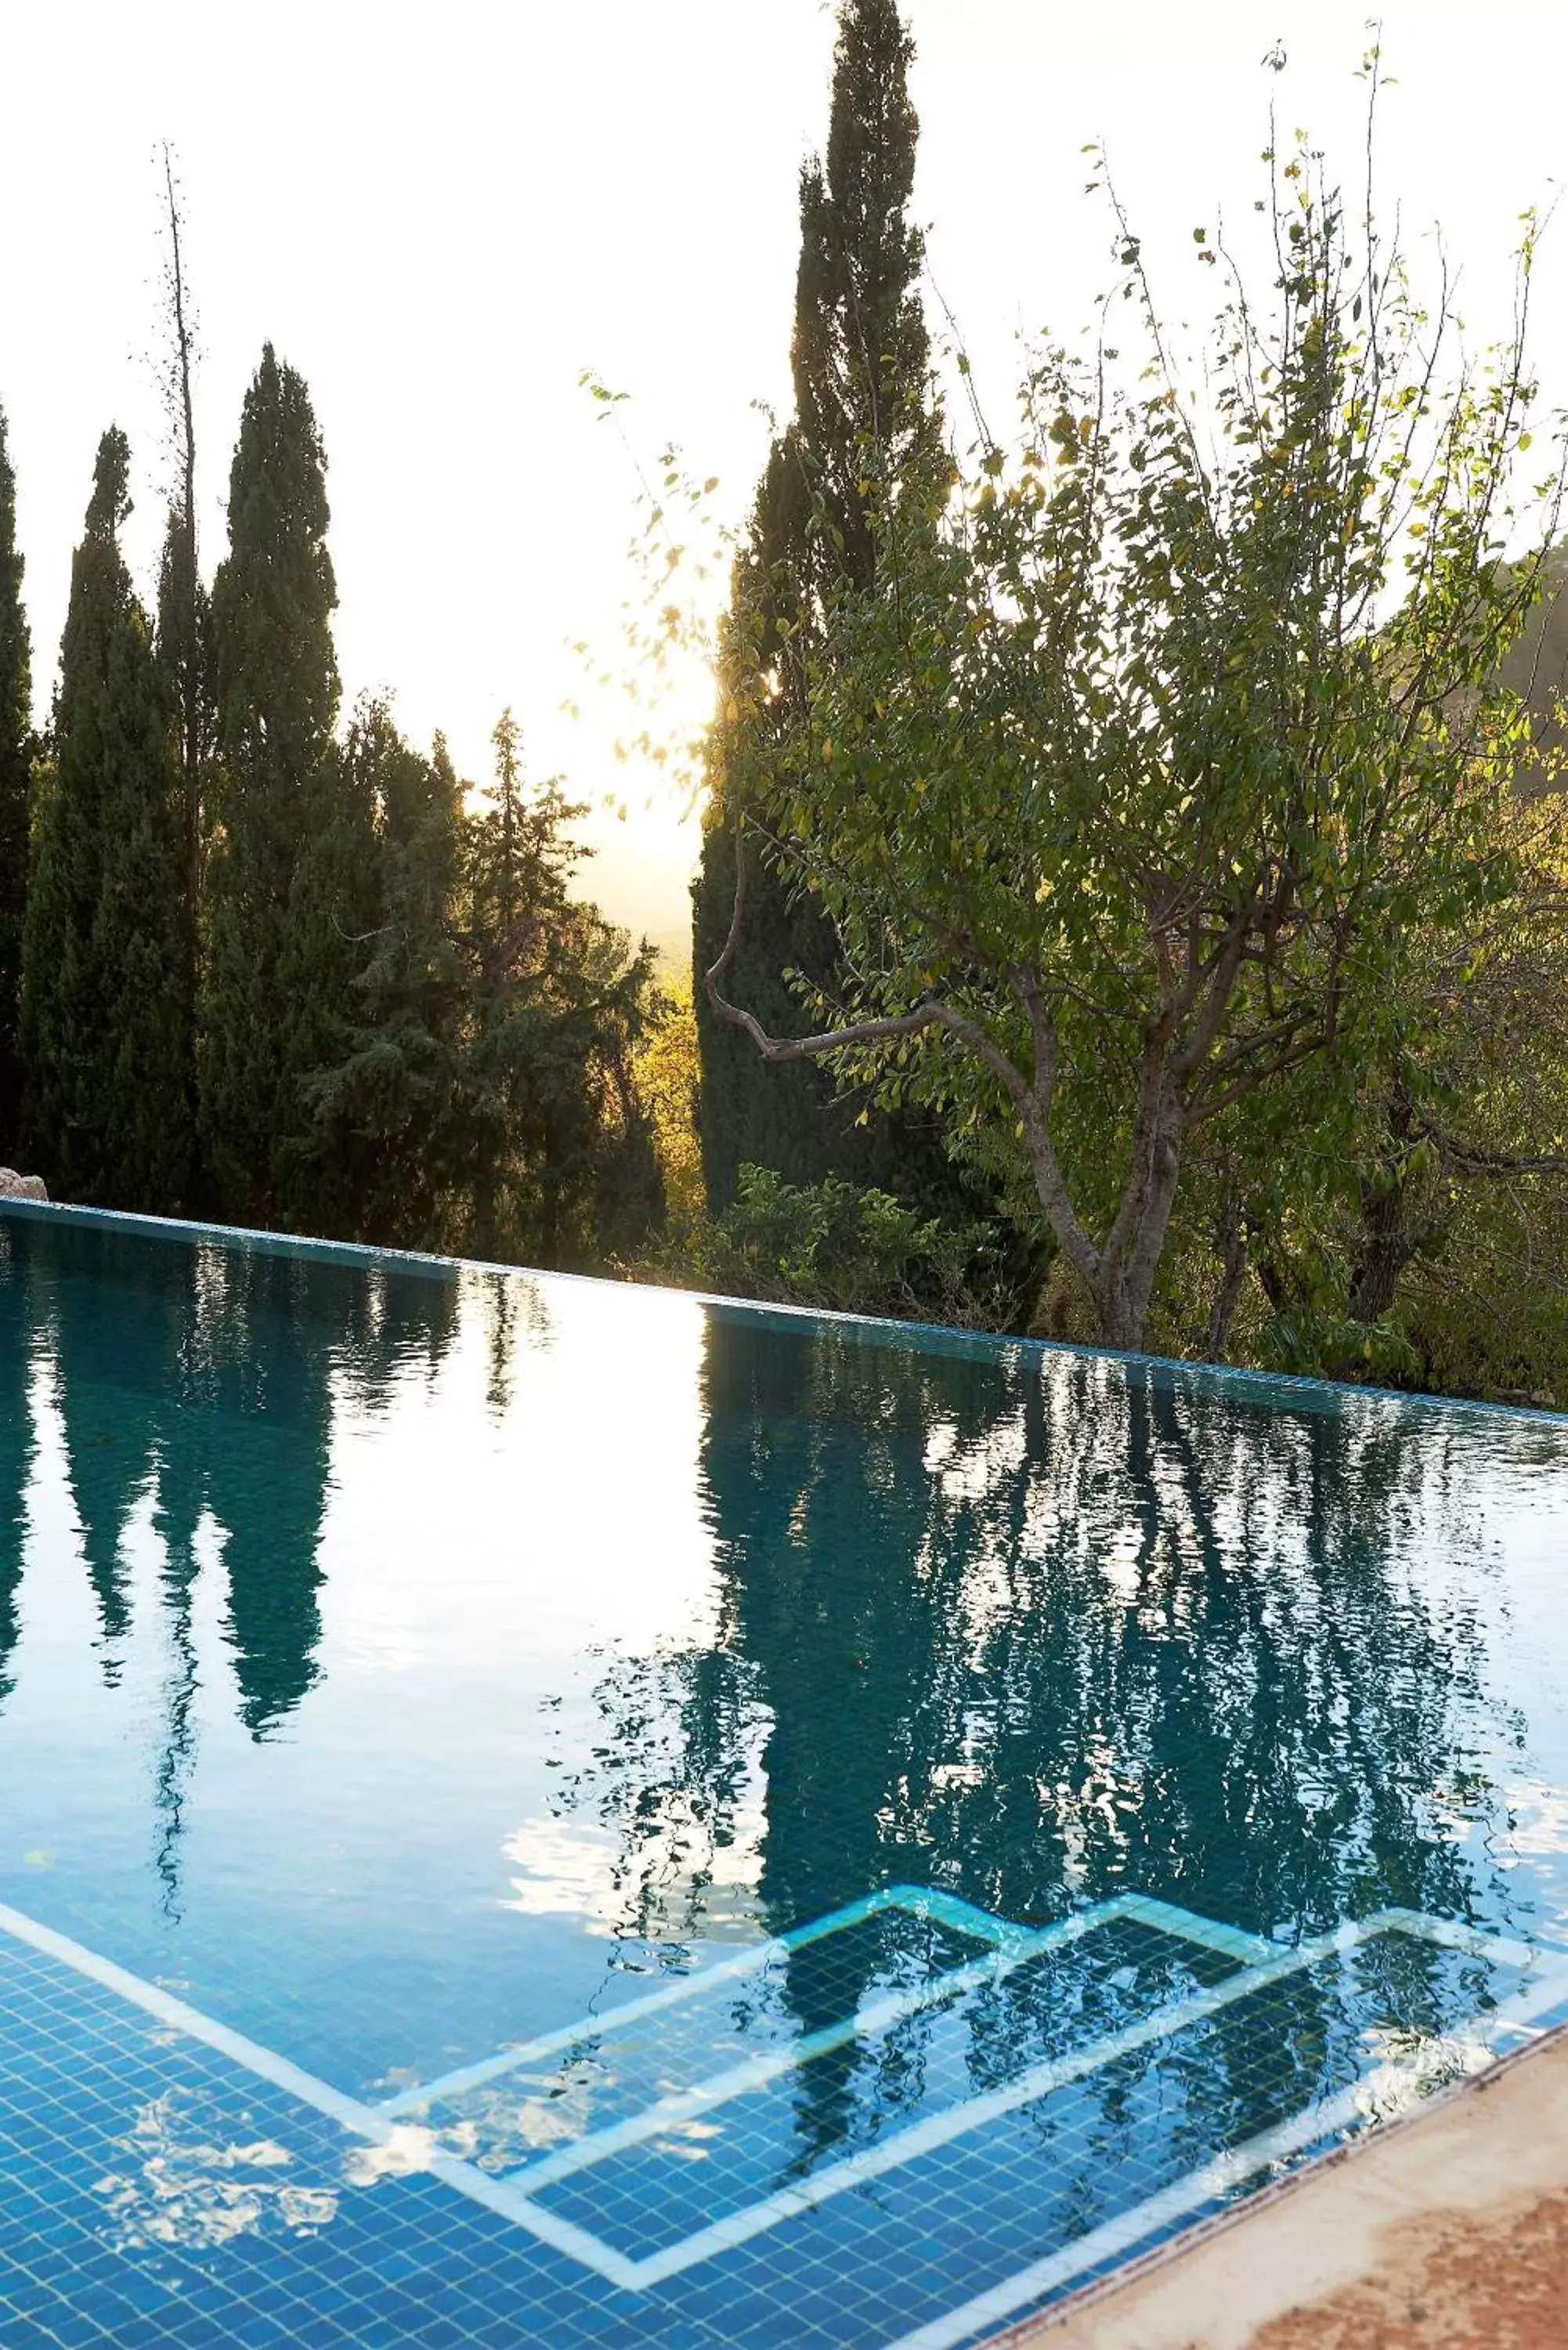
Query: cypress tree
860, 361
105, 1026
277, 695
15, 762
185, 660
383, 1111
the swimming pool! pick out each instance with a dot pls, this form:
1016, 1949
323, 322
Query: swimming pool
536, 1812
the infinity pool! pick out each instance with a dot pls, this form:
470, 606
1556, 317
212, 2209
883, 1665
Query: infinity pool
539, 1813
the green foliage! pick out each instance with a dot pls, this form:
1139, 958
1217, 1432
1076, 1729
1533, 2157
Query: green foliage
106, 1030
15, 763
283, 869
380, 1109
184, 641
1430, 1246
666, 1074
1198, 713
849, 1249
860, 364
476, 1088
557, 1151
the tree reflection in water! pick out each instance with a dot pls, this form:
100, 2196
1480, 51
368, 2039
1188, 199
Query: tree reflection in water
18, 1445
209, 1396
1040, 1628
1033, 1627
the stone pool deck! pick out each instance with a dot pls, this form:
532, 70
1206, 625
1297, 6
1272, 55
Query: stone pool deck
1446, 2231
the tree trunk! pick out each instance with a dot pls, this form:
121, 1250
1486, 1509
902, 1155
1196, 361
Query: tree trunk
1390, 1236
1233, 1273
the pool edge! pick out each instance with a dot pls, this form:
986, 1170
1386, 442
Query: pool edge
1147, 2290
940, 1337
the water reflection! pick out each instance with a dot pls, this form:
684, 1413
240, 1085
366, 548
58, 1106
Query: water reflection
16, 1447
1043, 1630
1032, 1627
1047, 1628
194, 1389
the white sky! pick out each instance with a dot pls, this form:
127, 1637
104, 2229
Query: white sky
441, 217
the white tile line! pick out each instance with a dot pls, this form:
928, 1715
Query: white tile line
180, 2017
915, 1899
920, 1901
973, 2113
360, 2120
441, 2090
1502, 1948
1165, 1917
756, 2072
1185, 2196
877, 2016
505, 2197
576, 2035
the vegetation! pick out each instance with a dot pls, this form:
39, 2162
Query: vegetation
105, 1032
853, 1249
860, 362
1158, 775
1134, 888
301, 976
16, 761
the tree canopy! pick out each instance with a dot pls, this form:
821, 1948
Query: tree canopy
105, 1021
1196, 701
15, 762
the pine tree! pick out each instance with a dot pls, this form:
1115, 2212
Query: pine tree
105, 1026
276, 797
863, 414
16, 761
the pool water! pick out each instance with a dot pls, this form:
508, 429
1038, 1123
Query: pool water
537, 1812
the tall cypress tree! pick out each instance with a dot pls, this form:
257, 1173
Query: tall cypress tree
104, 1027
277, 692
382, 1114
185, 658
144, 948
15, 760
331, 924
862, 414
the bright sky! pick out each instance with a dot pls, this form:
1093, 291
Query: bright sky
442, 216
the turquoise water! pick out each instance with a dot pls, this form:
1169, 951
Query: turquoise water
399, 1663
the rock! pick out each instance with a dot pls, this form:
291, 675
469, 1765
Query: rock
21, 1187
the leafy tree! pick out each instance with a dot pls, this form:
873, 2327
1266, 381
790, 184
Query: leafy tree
281, 798
551, 1151
666, 1080
1397, 1253
1190, 774
184, 645
333, 915
860, 363
471, 1083
15, 762
105, 1021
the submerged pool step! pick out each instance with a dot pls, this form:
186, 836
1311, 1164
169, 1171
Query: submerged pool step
567, 2172
641, 2200
1011, 1943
